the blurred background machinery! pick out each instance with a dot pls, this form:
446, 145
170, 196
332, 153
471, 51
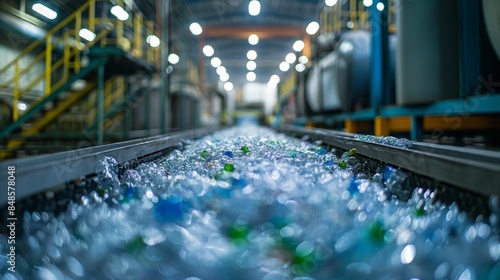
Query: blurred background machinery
82, 73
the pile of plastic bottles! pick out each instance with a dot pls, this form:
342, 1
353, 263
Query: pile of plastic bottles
249, 203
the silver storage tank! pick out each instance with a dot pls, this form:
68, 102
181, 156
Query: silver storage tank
491, 11
427, 53
353, 70
300, 99
329, 82
313, 89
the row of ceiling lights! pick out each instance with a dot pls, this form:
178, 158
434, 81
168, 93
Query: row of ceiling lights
216, 62
251, 65
117, 11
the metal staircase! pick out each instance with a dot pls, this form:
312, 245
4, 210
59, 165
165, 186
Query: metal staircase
68, 57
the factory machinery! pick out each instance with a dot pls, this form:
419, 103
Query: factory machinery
396, 72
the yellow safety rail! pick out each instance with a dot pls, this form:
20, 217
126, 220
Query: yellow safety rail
65, 37
114, 90
286, 88
351, 15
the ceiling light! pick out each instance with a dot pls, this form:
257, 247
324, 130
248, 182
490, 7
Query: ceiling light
312, 28
208, 50
290, 58
228, 86
173, 58
271, 85
86, 34
44, 11
367, 3
153, 41
253, 39
215, 61
195, 28
224, 77
251, 65
119, 13
330, 3
284, 66
221, 70
252, 55
380, 6
300, 67
274, 79
303, 59
22, 106
251, 76
254, 7
298, 45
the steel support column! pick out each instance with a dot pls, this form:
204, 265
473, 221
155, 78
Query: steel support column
127, 121
147, 102
379, 65
100, 104
469, 47
165, 7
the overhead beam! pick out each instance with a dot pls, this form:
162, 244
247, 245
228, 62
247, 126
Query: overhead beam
242, 32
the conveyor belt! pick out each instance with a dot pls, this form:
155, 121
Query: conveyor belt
37, 174
473, 170
477, 171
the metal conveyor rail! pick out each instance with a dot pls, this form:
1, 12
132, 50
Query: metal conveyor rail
473, 170
37, 174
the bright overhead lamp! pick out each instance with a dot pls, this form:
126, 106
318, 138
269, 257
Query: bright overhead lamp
216, 62
208, 50
195, 28
284, 66
224, 77
271, 85
303, 59
251, 76
367, 3
291, 58
228, 86
330, 3
44, 11
300, 67
251, 65
86, 34
221, 70
153, 41
298, 45
274, 79
252, 55
312, 28
119, 13
380, 6
22, 106
254, 8
173, 58
253, 39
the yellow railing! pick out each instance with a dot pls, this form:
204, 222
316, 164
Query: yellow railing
114, 90
288, 85
65, 37
351, 15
